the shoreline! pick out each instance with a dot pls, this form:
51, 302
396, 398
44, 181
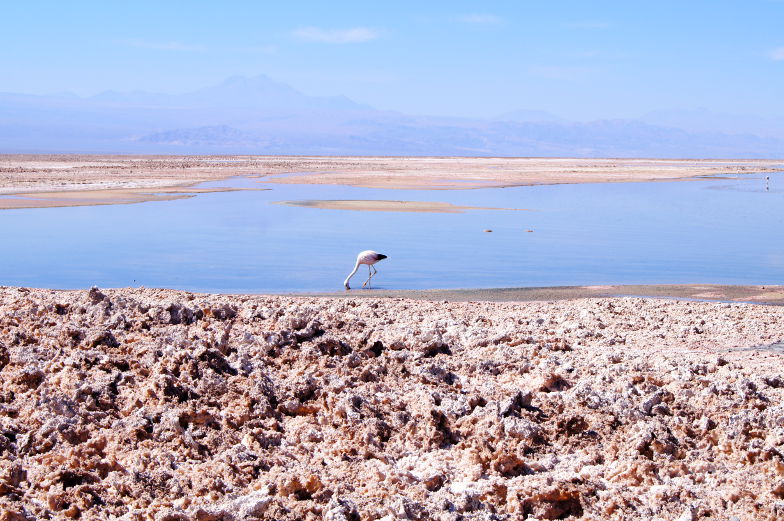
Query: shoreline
38, 181
769, 294
752, 294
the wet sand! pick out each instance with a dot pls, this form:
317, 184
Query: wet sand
33, 181
772, 295
103, 197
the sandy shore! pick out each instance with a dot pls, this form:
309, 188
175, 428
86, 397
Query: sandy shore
140, 404
769, 294
59, 199
28, 181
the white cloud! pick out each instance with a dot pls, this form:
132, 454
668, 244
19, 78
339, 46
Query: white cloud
353, 35
479, 19
164, 46
777, 54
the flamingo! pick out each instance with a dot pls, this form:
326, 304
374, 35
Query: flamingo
368, 257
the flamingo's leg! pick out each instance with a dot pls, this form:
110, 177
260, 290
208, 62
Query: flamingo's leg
370, 276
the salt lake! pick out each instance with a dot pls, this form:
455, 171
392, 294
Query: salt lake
726, 231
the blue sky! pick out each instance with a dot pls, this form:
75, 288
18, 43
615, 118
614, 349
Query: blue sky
577, 59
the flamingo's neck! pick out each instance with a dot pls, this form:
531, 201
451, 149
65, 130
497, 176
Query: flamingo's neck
356, 267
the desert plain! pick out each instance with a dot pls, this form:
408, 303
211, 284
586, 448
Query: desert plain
36, 181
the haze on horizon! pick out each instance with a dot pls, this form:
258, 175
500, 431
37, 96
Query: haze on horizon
576, 60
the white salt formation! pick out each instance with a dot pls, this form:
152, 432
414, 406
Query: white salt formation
162, 405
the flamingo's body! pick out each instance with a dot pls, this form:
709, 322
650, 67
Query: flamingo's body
368, 257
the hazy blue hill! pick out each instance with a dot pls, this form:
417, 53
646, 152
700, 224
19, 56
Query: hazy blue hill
259, 92
262, 116
220, 135
704, 120
262, 92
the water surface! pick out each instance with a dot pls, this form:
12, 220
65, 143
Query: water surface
724, 231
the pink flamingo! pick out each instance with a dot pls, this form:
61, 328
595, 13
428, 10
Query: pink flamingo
368, 257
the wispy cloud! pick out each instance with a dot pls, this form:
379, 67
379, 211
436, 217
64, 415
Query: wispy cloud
165, 46
777, 54
353, 35
588, 24
479, 19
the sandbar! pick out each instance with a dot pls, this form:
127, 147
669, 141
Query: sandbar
387, 206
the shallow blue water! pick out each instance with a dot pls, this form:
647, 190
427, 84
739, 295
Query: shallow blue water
714, 231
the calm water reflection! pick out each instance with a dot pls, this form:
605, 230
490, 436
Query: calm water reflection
720, 231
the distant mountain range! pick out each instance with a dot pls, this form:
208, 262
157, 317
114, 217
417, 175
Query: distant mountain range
262, 116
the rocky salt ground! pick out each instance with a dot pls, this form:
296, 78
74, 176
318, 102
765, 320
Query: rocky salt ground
162, 405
